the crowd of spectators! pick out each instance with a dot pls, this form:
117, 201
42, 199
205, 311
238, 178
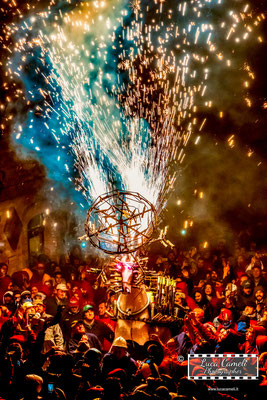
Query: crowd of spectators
57, 329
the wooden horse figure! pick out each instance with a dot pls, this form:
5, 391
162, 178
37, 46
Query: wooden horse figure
133, 307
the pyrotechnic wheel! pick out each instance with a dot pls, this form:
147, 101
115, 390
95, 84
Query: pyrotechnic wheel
120, 222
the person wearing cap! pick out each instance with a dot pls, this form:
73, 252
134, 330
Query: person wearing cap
118, 357
246, 294
71, 313
41, 321
98, 328
59, 299
39, 296
81, 341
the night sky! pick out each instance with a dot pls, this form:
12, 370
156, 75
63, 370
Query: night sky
221, 183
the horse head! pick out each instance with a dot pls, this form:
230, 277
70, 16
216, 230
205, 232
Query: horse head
126, 270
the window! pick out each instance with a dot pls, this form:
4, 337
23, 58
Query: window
36, 235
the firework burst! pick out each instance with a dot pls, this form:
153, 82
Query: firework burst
115, 88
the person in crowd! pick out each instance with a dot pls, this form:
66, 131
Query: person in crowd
38, 274
230, 300
202, 268
154, 357
203, 303
174, 266
21, 280
118, 357
191, 258
32, 387
227, 271
228, 338
4, 315
201, 333
182, 343
6, 283
255, 260
45, 323
48, 327
3, 272
260, 301
71, 313
8, 300
111, 302
86, 292
25, 296
211, 296
81, 341
19, 327
249, 346
39, 296
93, 361
248, 318
14, 369
97, 327
246, 294
181, 307
58, 278
257, 277
59, 299
186, 276
105, 316
217, 284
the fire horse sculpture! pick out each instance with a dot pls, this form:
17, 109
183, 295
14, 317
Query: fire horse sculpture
122, 222
140, 310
